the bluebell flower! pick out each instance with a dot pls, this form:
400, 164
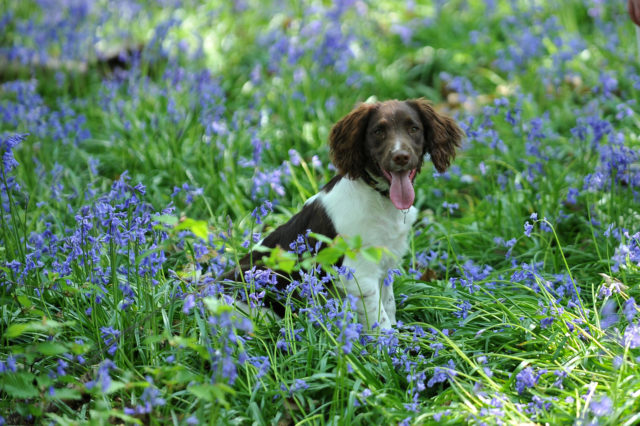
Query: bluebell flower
110, 336
103, 376
460, 85
262, 363
608, 84
450, 206
266, 180
7, 144
463, 309
630, 309
572, 196
617, 362
366, 393
609, 316
8, 365
528, 228
632, 336
441, 374
189, 303
294, 157
298, 385
601, 407
546, 322
149, 399
438, 416
388, 280
349, 334
525, 379
407, 420
436, 347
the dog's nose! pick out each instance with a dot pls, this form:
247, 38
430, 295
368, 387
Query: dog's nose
400, 157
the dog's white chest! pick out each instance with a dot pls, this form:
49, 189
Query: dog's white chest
357, 209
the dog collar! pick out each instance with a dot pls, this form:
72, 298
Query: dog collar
377, 183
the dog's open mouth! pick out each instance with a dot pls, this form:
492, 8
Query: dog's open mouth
401, 190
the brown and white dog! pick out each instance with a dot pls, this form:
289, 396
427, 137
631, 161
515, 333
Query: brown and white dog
378, 149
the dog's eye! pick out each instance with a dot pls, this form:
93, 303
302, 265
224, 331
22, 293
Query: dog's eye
379, 131
414, 129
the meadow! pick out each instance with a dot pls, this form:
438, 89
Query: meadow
146, 146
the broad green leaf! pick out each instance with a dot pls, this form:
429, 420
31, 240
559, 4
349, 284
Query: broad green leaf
19, 385
166, 219
50, 348
67, 393
25, 301
16, 330
198, 227
281, 260
329, 256
320, 237
372, 254
213, 393
215, 306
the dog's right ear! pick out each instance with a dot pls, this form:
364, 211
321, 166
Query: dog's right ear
346, 142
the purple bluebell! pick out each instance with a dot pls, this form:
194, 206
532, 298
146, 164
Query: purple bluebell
632, 336
149, 399
609, 315
110, 337
630, 309
528, 228
103, 376
601, 407
525, 379
441, 374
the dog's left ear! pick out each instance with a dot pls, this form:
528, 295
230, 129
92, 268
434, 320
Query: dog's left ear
441, 134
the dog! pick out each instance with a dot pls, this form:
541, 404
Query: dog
378, 149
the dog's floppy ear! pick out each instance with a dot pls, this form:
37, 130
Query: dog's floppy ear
346, 141
441, 134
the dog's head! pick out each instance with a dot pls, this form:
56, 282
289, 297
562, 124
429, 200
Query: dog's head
387, 142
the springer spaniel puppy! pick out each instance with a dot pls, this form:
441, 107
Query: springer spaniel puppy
378, 149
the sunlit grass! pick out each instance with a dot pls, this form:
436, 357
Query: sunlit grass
135, 187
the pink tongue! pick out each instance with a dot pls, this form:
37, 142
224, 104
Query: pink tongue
401, 191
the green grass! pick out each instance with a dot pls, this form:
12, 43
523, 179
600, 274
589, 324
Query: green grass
484, 307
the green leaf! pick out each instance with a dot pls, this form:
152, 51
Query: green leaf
67, 394
45, 325
202, 392
50, 348
355, 242
215, 306
372, 254
70, 288
281, 260
166, 219
114, 387
24, 301
16, 330
216, 393
61, 421
19, 385
106, 415
181, 375
321, 238
198, 227
329, 256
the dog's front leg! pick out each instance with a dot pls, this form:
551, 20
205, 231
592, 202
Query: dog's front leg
369, 304
389, 301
